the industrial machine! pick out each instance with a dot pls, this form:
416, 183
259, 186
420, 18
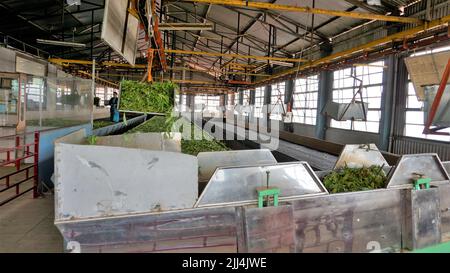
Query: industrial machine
150, 201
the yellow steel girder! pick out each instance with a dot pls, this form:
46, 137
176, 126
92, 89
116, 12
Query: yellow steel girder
365, 47
67, 62
269, 6
231, 55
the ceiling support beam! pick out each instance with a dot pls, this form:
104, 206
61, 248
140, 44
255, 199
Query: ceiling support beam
270, 6
230, 55
196, 16
362, 48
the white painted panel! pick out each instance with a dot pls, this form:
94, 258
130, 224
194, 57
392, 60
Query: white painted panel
99, 181
30, 67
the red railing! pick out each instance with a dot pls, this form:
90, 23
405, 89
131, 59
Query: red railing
20, 152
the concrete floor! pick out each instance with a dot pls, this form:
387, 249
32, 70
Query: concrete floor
26, 224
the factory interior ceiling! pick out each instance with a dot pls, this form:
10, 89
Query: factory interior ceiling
249, 43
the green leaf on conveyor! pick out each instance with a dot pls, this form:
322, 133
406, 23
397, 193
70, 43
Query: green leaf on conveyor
355, 179
193, 146
143, 97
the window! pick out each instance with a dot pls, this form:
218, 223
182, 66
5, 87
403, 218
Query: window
345, 86
277, 100
212, 104
246, 96
237, 96
200, 99
100, 93
305, 100
259, 101
414, 120
177, 99
36, 95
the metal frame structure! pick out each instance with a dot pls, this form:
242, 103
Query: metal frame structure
288, 38
15, 155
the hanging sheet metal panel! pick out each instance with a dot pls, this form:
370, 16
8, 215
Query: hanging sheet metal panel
426, 70
347, 111
442, 116
360, 155
429, 165
208, 162
118, 32
237, 185
99, 181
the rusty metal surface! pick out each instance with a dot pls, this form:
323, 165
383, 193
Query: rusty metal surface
422, 227
360, 155
429, 165
446, 165
266, 230
199, 230
349, 222
444, 202
369, 221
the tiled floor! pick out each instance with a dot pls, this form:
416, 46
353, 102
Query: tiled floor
26, 225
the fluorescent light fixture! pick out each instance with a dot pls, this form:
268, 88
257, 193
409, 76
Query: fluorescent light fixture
281, 63
59, 43
74, 2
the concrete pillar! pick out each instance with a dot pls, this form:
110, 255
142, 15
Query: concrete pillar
289, 91
241, 97
267, 101
401, 93
190, 101
289, 99
231, 98
324, 95
252, 96
267, 94
387, 99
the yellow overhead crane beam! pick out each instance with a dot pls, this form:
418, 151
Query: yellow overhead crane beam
231, 55
66, 62
241, 65
269, 6
399, 36
194, 82
218, 72
99, 80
